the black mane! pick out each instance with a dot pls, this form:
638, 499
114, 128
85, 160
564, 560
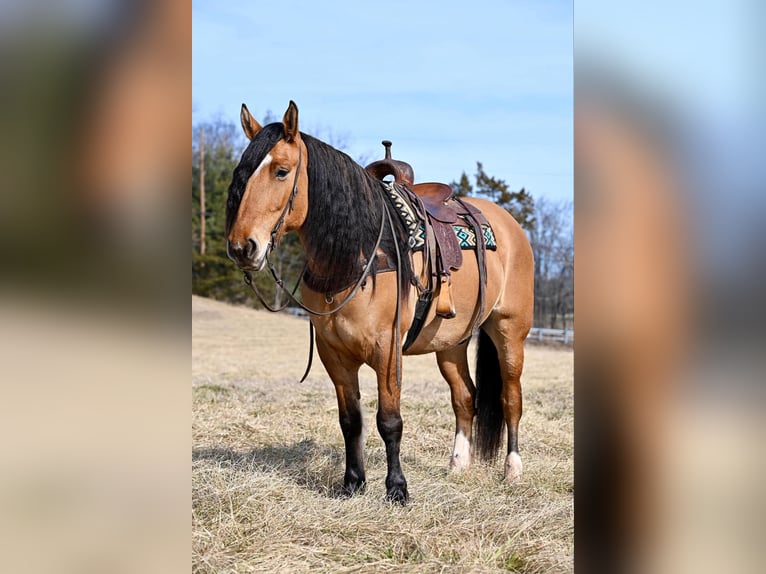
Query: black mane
344, 216
344, 212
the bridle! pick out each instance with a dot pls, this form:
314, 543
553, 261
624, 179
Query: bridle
286, 210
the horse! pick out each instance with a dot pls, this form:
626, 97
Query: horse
286, 181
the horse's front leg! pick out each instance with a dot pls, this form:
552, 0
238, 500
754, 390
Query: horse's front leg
344, 373
390, 425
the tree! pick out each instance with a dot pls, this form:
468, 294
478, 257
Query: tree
520, 204
463, 187
552, 241
222, 144
213, 274
202, 206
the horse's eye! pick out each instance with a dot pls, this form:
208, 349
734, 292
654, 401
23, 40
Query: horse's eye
282, 173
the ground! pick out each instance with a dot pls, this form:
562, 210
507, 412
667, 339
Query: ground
268, 463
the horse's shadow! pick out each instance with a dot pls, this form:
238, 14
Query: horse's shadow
310, 465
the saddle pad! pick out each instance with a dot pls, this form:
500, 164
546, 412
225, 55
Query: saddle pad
464, 233
465, 237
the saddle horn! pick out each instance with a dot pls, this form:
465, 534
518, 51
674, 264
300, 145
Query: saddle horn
401, 170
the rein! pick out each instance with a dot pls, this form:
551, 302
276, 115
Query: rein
281, 284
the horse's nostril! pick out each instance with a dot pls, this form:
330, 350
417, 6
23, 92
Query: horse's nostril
251, 249
243, 252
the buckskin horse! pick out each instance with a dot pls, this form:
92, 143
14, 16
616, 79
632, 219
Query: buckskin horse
367, 289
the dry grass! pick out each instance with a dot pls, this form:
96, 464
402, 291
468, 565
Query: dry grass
268, 464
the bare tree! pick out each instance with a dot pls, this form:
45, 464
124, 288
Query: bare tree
552, 240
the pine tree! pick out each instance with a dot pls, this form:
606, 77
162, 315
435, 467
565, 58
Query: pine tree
519, 204
461, 188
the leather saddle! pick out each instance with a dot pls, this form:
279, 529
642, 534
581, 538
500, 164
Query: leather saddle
435, 205
435, 196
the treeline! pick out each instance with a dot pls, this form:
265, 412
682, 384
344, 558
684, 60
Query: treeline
216, 149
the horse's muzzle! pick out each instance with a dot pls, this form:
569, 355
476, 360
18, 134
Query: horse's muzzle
245, 255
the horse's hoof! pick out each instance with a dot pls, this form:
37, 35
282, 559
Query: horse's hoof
354, 486
513, 468
397, 494
458, 464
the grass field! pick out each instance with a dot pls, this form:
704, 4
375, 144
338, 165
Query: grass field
268, 462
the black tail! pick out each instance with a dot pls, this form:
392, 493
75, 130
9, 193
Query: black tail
490, 421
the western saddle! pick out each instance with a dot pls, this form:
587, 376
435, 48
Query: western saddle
437, 210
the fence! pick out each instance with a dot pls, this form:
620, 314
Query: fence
565, 336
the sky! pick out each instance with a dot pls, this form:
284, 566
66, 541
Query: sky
450, 83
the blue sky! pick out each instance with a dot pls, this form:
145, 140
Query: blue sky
448, 82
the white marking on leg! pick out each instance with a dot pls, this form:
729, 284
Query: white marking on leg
461, 453
513, 467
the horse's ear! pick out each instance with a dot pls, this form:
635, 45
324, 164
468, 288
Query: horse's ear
290, 122
249, 124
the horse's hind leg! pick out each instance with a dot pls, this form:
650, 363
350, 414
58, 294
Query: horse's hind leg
453, 364
508, 338
511, 364
345, 376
